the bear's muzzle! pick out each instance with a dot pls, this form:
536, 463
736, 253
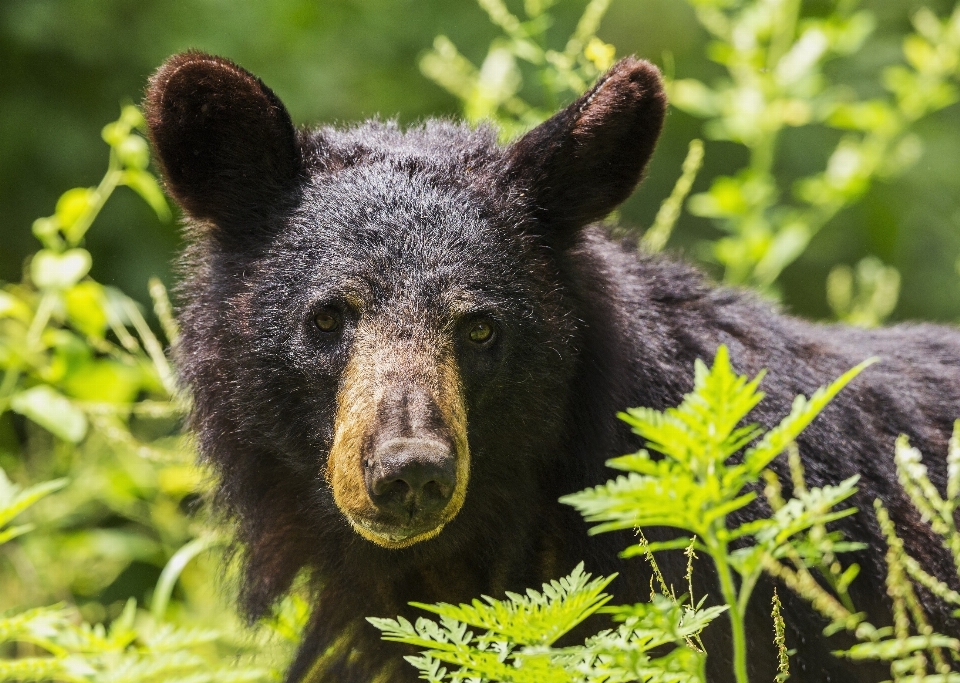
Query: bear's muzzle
399, 463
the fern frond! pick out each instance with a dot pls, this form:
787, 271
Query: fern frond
514, 654
68, 670
702, 431
40, 626
537, 618
802, 413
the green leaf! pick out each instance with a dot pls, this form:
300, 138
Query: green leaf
12, 306
703, 430
693, 97
801, 415
73, 205
86, 304
805, 510
534, 618
133, 152
144, 184
51, 410
888, 650
106, 381
12, 532
47, 230
13, 500
788, 243
872, 115
50, 270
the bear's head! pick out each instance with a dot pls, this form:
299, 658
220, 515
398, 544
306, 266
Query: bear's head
378, 329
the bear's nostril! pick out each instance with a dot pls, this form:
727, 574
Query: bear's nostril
391, 487
411, 477
434, 490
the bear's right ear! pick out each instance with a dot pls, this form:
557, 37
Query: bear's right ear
587, 158
225, 143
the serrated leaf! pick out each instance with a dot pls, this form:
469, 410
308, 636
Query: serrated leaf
801, 415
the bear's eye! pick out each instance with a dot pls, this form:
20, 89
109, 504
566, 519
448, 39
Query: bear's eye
328, 319
481, 332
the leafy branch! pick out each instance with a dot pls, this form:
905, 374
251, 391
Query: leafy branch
515, 645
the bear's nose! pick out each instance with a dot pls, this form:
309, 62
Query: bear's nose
411, 477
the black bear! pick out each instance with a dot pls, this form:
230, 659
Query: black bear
404, 346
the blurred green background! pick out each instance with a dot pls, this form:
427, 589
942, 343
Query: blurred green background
66, 65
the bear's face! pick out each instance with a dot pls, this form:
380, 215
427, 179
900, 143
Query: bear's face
409, 345
383, 315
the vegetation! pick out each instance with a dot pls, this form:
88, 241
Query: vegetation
708, 466
91, 379
122, 550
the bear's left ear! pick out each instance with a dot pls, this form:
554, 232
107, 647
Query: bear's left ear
224, 141
587, 159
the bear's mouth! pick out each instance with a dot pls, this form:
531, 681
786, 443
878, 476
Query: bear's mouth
396, 536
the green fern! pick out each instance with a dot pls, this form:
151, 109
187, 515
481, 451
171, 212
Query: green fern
698, 482
515, 644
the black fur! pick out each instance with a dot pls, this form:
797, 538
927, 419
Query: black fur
284, 221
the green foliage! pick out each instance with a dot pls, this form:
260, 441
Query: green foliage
912, 648
126, 652
14, 500
76, 651
84, 371
706, 473
90, 375
865, 297
83, 366
518, 633
62, 370
775, 59
494, 90
775, 80
709, 465
914, 651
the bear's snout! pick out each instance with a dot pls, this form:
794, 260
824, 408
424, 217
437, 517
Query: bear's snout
411, 480
399, 464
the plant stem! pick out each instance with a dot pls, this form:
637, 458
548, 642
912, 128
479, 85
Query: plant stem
40, 319
719, 554
103, 191
785, 32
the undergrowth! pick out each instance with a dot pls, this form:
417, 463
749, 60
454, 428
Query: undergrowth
709, 464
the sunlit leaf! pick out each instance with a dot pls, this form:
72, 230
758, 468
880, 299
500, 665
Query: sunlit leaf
145, 185
74, 204
50, 270
133, 152
105, 380
51, 410
85, 304
13, 307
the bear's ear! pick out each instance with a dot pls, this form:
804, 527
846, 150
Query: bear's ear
225, 143
587, 159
